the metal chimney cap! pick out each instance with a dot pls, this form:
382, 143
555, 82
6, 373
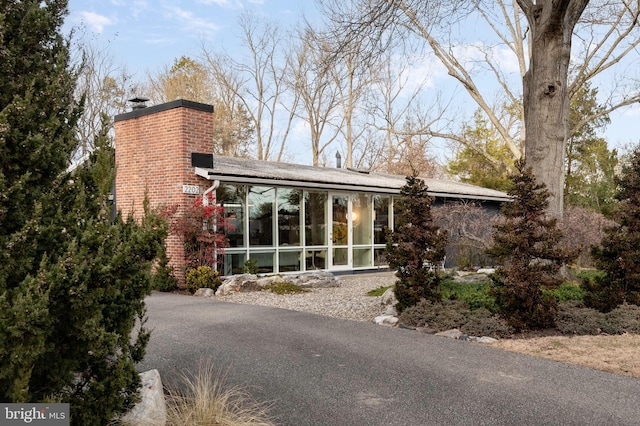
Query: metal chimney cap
139, 102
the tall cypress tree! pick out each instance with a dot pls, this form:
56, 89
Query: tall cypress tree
416, 246
526, 246
72, 281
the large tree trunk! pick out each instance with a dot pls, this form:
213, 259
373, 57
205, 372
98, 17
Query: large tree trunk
546, 99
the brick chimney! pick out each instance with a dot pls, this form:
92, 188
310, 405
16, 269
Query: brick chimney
153, 154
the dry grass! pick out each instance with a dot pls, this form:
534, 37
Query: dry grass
615, 354
204, 400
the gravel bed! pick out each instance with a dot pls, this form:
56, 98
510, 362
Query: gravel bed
348, 301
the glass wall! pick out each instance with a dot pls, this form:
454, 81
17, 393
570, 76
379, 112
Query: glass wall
280, 229
289, 216
315, 218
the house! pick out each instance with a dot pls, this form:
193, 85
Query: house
284, 217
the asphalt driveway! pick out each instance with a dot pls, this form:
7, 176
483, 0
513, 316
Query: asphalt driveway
318, 370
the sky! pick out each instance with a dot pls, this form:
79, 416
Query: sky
146, 35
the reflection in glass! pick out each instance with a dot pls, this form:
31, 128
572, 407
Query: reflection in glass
261, 201
264, 261
315, 221
381, 218
361, 257
315, 259
289, 216
290, 260
361, 216
231, 197
340, 229
233, 263
340, 257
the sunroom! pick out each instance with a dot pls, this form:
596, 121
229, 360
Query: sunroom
288, 218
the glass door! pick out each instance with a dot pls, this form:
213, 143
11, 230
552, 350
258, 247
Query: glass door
340, 232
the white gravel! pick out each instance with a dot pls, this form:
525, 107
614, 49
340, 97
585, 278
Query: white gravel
348, 301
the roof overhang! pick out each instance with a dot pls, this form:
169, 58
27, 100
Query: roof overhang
268, 173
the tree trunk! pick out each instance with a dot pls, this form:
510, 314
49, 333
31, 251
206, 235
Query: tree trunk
546, 113
545, 92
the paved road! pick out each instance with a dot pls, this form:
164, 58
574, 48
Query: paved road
323, 371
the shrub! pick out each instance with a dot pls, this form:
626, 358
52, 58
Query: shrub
526, 244
574, 318
286, 288
568, 291
438, 316
482, 322
623, 319
163, 278
250, 267
415, 246
202, 277
475, 295
583, 228
619, 251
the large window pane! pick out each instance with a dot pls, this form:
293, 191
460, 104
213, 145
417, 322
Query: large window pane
362, 257
264, 261
261, 201
315, 259
361, 212
233, 263
315, 220
290, 261
231, 197
381, 218
289, 216
340, 228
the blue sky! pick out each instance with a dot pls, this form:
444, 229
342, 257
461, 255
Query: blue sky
145, 35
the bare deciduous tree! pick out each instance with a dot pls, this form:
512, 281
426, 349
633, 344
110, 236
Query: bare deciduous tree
259, 83
313, 82
538, 34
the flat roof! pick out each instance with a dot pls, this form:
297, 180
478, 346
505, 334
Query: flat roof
257, 172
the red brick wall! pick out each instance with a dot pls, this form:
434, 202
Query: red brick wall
153, 154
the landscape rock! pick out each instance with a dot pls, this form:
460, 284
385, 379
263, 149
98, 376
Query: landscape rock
453, 334
470, 278
388, 298
487, 340
152, 409
319, 279
270, 280
388, 320
391, 310
234, 283
204, 292
486, 271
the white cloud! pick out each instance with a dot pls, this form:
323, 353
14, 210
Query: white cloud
190, 21
95, 21
216, 2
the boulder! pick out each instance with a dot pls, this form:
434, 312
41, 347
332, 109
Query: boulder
453, 334
388, 320
235, 283
151, 410
318, 279
486, 271
471, 278
388, 298
486, 340
204, 292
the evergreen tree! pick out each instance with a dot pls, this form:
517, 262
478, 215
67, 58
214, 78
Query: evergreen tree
526, 245
72, 281
590, 165
619, 251
416, 246
485, 160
